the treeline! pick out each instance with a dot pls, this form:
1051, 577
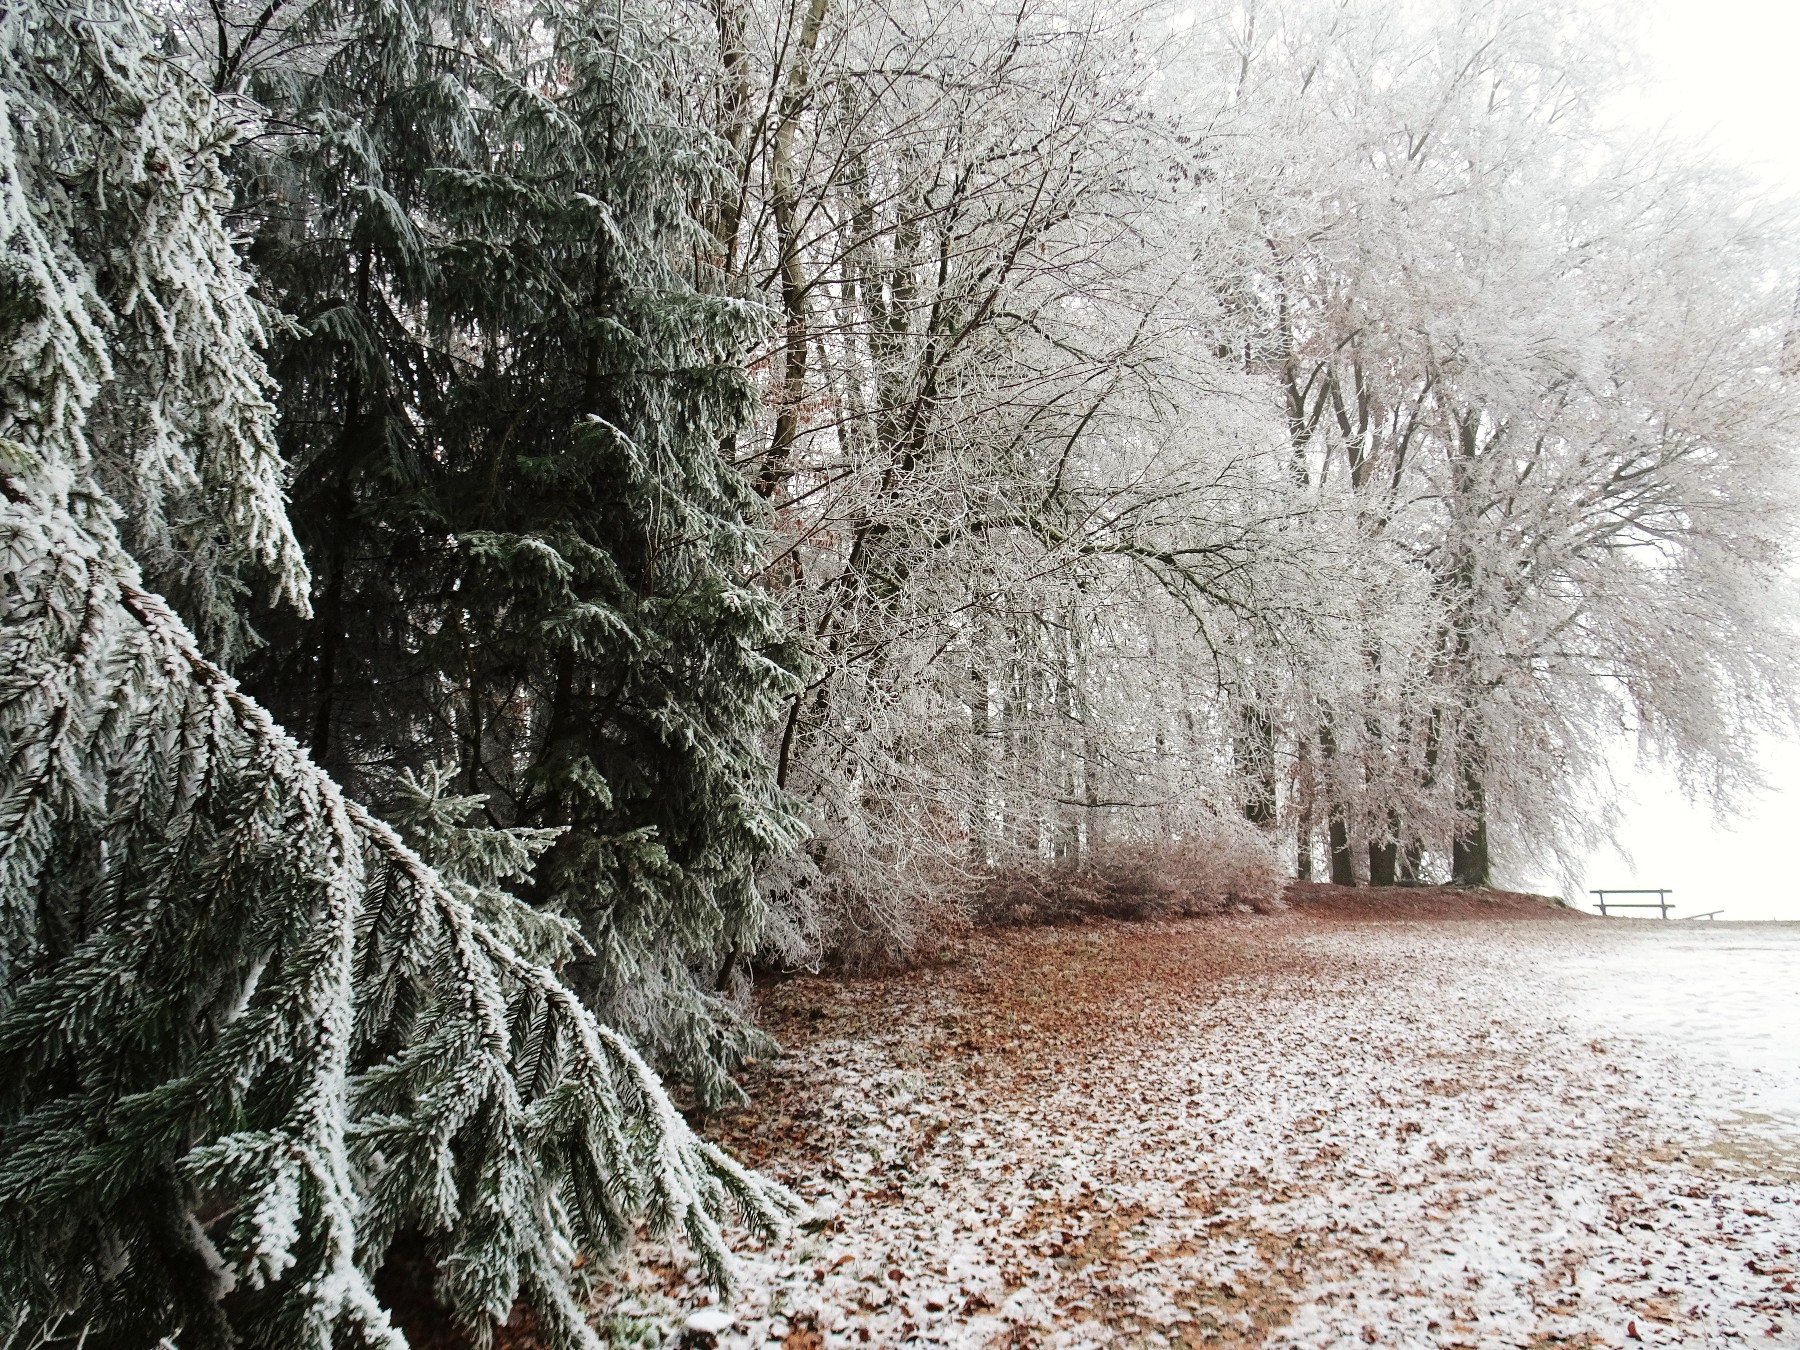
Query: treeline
738, 483
1307, 414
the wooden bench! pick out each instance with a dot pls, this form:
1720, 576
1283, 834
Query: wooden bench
1660, 903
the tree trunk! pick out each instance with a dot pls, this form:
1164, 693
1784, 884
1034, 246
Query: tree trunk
1384, 863
1337, 827
1254, 750
1343, 861
1384, 857
1093, 831
981, 756
1469, 849
329, 613
1469, 863
784, 204
1303, 828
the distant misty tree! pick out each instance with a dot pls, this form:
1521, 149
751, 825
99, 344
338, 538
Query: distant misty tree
1539, 369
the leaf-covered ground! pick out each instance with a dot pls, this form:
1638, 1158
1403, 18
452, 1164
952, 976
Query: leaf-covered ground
1326, 1127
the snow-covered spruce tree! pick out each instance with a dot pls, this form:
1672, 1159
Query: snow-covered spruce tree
506, 419
615, 563
129, 333
246, 1033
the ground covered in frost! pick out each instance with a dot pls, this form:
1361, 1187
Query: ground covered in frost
1328, 1127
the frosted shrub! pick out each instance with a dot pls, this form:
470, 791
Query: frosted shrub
873, 889
1213, 865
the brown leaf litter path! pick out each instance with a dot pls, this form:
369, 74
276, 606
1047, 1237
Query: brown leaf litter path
1330, 1127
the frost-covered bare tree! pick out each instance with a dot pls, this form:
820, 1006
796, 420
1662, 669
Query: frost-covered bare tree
1001, 450
1542, 368
1158, 401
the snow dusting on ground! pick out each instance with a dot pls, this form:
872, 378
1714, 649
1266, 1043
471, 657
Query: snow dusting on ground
1291, 1130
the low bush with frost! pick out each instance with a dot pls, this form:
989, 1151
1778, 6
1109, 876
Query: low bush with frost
1213, 865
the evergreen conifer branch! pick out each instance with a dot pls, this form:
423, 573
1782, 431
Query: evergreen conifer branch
247, 1034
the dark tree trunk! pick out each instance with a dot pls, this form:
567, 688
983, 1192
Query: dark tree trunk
1469, 857
1337, 828
328, 620
1343, 861
1254, 750
330, 615
1384, 863
1469, 863
981, 756
1384, 857
1469, 850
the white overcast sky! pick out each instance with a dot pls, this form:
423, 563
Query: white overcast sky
1724, 71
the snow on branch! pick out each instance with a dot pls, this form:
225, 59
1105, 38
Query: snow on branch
247, 1035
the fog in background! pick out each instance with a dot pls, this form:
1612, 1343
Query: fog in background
1723, 73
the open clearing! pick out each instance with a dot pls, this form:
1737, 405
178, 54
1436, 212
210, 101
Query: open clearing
1317, 1128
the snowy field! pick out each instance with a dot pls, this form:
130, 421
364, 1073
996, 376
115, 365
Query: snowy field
1282, 1131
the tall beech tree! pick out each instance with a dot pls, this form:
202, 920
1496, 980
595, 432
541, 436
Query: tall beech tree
1540, 365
